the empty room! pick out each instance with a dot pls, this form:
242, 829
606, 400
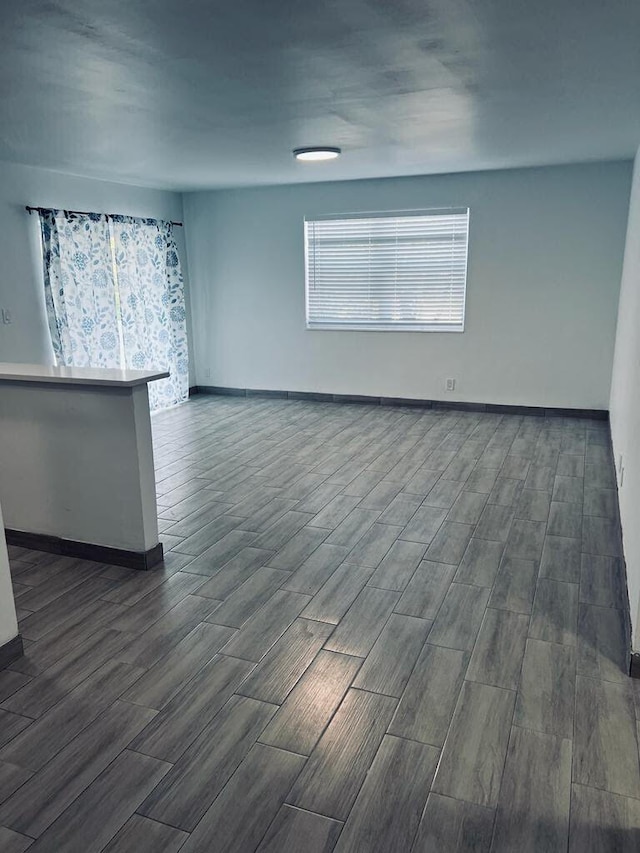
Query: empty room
320, 427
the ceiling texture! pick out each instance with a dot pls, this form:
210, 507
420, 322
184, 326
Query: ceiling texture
193, 94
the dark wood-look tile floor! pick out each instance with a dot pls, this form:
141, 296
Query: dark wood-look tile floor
375, 629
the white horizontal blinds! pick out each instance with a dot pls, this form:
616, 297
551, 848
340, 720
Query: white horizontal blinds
406, 271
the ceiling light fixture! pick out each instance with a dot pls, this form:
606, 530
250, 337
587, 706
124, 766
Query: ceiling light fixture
316, 154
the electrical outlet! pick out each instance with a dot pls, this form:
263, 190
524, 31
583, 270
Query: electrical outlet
449, 384
7, 317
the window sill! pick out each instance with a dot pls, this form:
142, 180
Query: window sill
336, 327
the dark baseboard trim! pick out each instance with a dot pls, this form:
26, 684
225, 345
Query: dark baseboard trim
223, 392
143, 560
539, 411
193, 390
634, 665
11, 651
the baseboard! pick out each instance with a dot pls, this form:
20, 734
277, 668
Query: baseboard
634, 665
493, 408
218, 389
143, 560
11, 651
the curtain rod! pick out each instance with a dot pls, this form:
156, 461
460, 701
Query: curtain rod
31, 209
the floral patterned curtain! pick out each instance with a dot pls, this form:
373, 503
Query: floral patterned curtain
79, 289
152, 308
115, 297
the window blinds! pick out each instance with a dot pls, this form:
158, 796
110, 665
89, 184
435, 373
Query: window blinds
381, 271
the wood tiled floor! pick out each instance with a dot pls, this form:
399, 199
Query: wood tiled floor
376, 629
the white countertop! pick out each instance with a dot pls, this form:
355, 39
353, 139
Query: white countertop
77, 375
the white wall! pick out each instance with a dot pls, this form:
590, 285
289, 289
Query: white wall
545, 257
8, 621
625, 405
21, 290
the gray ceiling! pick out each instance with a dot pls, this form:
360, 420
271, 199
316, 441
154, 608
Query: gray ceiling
197, 93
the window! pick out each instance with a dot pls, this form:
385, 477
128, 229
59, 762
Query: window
401, 271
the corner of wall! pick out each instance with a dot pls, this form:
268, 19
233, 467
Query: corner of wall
624, 404
8, 619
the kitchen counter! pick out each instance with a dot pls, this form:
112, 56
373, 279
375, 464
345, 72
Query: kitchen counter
76, 462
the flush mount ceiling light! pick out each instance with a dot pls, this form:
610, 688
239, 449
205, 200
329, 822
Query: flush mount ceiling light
317, 153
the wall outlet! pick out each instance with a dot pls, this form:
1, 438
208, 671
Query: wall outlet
449, 384
7, 317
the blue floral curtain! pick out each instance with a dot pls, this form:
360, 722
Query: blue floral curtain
152, 308
115, 297
79, 289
